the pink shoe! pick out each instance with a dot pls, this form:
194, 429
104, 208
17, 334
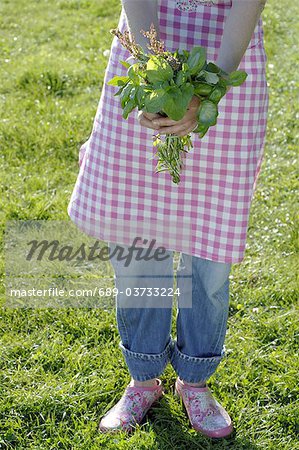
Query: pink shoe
131, 408
205, 413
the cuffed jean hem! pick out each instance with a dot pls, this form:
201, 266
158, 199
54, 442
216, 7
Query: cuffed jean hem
143, 366
194, 369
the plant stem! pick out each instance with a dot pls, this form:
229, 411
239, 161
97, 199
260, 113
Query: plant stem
169, 154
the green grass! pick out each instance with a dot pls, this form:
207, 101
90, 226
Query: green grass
61, 369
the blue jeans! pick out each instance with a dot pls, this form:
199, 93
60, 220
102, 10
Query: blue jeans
144, 322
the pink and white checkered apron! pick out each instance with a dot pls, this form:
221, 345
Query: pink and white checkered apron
118, 196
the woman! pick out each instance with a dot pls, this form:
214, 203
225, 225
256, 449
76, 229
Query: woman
119, 197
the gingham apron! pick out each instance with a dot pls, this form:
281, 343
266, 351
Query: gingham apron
118, 196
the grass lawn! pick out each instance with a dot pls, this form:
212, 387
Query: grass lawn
61, 369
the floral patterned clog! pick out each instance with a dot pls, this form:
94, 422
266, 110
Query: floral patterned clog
131, 408
205, 413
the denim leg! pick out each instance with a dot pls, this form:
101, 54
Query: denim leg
201, 329
144, 319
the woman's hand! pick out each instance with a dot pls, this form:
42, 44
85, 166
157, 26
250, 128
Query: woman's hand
146, 119
164, 125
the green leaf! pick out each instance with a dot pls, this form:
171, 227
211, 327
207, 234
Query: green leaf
196, 60
186, 69
176, 101
118, 81
160, 85
207, 113
125, 63
200, 76
130, 105
158, 69
120, 90
154, 102
186, 54
126, 94
187, 93
176, 54
217, 94
223, 83
133, 92
180, 78
174, 104
237, 78
133, 73
211, 78
140, 96
201, 130
211, 67
202, 89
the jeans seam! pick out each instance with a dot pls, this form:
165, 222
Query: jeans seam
121, 316
223, 322
118, 310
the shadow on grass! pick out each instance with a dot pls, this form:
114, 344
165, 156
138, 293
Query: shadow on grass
171, 434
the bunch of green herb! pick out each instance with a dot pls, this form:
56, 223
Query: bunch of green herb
164, 82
